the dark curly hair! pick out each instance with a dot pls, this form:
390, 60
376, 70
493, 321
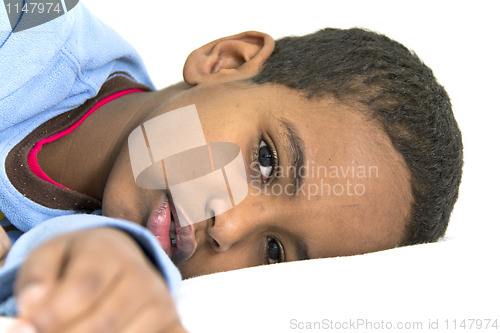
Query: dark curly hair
367, 69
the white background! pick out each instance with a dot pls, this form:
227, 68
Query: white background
457, 39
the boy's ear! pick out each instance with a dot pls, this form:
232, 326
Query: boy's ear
230, 58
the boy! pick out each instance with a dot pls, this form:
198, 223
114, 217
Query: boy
356, 100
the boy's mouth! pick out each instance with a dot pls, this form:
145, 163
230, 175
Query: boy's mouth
177, 242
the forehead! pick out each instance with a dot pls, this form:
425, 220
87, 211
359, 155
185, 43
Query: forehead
355, 194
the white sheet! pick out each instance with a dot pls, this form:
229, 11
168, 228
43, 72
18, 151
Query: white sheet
451, 280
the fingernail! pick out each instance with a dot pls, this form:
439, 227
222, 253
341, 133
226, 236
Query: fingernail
22, 328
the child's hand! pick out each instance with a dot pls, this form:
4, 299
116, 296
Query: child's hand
93, 281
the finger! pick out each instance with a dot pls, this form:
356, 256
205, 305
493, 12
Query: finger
114, 312
38, 275
90, 274
20, 327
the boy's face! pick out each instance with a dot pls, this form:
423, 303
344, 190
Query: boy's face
354, 195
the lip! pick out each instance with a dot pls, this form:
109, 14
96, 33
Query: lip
159, 224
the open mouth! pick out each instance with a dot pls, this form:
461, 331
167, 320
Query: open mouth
178, 242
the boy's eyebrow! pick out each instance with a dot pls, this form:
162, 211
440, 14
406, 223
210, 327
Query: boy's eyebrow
295, 150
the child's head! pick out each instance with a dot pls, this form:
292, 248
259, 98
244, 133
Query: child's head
349, 143
387, 82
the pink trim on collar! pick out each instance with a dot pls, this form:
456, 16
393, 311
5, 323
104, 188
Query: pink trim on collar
32, 156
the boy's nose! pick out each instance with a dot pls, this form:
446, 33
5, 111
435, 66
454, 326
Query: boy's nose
233, 226
225, 232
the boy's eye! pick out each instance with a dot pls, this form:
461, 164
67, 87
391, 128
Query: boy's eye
266, 161
274, 251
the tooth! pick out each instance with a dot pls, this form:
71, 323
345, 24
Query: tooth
172, 234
